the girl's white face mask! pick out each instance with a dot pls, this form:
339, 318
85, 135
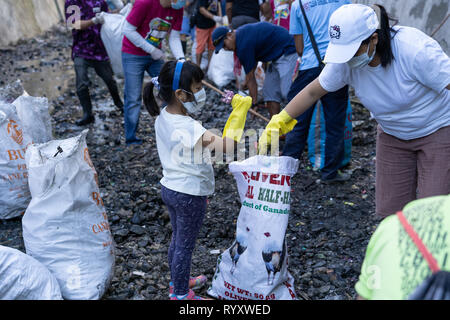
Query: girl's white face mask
198, 103
362, 60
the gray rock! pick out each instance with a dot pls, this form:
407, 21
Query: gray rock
121, 232
138, 230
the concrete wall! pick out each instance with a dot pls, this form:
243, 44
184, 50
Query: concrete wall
25, 19
425, 15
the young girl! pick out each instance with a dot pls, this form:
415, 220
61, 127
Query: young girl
187, 178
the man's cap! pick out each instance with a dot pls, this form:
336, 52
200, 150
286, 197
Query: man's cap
218, 37
349, 26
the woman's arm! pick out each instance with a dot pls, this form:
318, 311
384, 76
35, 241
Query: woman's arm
229, 11
305, 99
206, 13
299, 45
252, 85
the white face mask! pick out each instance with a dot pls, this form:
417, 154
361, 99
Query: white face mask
198, 103
362, 60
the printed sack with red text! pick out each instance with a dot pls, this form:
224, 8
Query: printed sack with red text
255, 267
65, 227
14, 191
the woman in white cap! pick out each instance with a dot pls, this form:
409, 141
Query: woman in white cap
403, 77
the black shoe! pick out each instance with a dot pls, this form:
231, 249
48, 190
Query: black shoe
85, 121
340, 177
119, 106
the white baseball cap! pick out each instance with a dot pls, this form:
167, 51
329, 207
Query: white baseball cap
349, 26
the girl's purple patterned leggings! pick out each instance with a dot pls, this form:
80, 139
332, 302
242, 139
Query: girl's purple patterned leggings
186, 216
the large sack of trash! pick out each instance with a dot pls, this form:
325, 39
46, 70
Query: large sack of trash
317, 136
255, 267
24, 278
65, 227
14, 141
36, 121
221, 68
111, 34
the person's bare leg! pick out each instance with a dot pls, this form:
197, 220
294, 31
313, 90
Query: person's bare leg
199, 59
183, 42
273, 107
210, 54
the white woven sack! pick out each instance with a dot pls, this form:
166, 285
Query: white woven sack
220, 69
24, 278
14, 141
112, 37
65, 227
255, 267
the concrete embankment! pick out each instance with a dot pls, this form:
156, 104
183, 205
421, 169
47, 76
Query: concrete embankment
25, 19
426, 15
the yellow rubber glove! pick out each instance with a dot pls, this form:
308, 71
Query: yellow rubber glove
234, 128
280, 124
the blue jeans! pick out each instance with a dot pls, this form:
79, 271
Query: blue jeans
186, 216
334, 108
134, 68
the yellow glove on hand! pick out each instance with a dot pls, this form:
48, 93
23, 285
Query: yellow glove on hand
280, 124
234, 128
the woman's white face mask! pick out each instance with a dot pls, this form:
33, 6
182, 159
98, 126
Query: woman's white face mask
198, 103
363, 60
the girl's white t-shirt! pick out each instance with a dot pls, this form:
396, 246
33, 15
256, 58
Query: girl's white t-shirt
409, 98
186, 164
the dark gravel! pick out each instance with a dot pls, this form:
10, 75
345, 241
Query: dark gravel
329, 226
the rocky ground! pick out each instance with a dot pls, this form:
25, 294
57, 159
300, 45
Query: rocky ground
329, 226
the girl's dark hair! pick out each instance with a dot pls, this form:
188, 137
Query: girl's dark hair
189, 74
385, 34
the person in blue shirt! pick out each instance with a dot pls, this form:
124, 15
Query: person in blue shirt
334, 104
263, 42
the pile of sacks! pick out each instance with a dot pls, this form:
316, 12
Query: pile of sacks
54, 185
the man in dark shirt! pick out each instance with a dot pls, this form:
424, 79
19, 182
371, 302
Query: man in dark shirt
85, 19
240, 12
263, 42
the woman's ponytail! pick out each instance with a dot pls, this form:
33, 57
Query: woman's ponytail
149, 100
385, 35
